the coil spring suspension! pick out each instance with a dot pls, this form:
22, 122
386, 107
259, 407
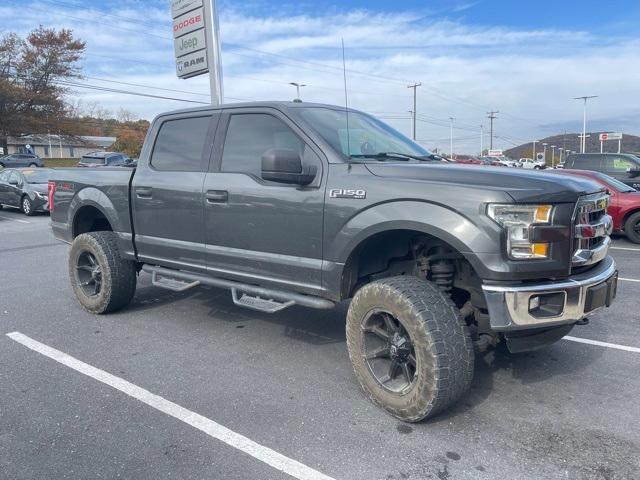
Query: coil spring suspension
442, 272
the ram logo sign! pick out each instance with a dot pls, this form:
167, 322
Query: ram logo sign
347, 193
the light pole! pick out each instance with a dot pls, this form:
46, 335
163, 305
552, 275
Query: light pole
544, 151
298, 87
534, 150
584, 120
451, 137
415, 91
481, 140
553, 155
561, 150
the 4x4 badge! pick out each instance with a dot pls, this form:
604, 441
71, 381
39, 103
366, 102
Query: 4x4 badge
347, 193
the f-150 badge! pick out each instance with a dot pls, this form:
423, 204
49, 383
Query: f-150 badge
347, 193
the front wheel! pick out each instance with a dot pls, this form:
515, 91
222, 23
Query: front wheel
102, 281
632, 228
33, 165
410, 348
27, 206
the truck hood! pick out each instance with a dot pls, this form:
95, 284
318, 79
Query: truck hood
523, 186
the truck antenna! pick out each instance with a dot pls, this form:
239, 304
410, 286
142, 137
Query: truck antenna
346, 98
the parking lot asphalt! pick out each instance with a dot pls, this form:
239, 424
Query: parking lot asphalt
284, 381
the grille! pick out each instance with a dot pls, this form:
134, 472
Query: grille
592, 229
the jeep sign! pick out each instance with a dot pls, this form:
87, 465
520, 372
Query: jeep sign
192, 64
191, 42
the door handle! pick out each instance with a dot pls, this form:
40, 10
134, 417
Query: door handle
217, 196
144, 192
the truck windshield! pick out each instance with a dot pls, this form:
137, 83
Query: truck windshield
366, 138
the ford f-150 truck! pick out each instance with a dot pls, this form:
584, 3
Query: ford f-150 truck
305, 204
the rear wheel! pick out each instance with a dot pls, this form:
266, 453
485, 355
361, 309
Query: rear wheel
410, 349
27, 206
632, 227
33, 165
102, 281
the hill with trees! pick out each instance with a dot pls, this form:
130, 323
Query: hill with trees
571, 142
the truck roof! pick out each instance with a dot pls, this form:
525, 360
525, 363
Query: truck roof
279, 104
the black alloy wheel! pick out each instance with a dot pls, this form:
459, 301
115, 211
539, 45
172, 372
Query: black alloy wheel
388, 351
89, 274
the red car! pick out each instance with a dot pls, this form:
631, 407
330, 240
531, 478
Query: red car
468, 160
624, 206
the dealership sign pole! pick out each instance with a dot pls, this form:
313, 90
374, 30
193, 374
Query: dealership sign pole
610, 136
196, 42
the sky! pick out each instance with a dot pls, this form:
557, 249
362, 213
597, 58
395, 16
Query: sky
526, 60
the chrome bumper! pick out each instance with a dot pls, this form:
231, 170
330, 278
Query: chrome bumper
510, 307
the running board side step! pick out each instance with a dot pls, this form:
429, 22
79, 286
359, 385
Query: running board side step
260, 304
250, 296
171, 283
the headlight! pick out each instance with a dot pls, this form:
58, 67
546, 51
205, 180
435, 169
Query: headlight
516, 220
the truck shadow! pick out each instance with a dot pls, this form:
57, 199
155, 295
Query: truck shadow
495, 370
317, 327
498, 371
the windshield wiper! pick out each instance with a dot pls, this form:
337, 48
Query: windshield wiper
395, 155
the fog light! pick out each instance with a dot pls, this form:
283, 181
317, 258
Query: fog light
547, 305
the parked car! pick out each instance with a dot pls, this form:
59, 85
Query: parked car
493, 161
532, 164
273, 202
25, 188
105, 159
624, 206
621, 166
468, 160
21, 160
504, 161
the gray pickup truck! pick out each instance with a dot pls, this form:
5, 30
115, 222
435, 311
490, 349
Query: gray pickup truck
304, 204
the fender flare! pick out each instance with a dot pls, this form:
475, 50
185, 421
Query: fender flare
93, 197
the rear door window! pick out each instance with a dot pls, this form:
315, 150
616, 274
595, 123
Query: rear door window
179, 146
587, 162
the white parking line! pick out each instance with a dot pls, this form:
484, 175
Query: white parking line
625, 248
603, 344
629, 279
211, 428
14, 219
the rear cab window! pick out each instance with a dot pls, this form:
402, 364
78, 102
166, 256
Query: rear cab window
179, 145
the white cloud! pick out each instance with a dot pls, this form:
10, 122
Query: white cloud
529, 75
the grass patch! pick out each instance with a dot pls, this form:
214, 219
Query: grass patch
61, 162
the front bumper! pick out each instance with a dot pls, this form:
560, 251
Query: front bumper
513, 307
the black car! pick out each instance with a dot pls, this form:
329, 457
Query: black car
105, 159
21, 160
25, 188
621, 166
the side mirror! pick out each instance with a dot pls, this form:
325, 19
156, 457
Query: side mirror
285, 166
13, 182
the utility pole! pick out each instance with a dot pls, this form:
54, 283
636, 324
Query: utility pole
415, 90
584, 120
534, 150
491, 116
298, 87
544, 151
481, 140
451, 138
553, 155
